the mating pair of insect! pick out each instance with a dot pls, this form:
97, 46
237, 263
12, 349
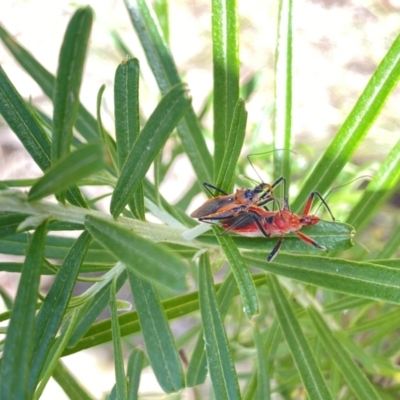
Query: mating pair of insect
246, 213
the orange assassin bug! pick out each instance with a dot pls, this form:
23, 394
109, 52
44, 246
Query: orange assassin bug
259, 222
229, 206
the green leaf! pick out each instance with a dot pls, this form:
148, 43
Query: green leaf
175, 307
21, 120
283, 94
55, 353
355, 127
135, 365
332, 235
161, 62
93, 308
121, 388
152, 138
303, 357
152, 261
72, 387
127, 126
197, 368
157, 335
79, 164
357, 381
85, 123
219, 358
362, 279
232, 148
54, 306
263, 378
226, 75
68, 81
242, 274
15, 366
9, 223
108, 141
378, 190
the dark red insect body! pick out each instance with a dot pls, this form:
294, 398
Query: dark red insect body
259, 222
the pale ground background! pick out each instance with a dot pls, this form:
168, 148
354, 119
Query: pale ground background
338, 46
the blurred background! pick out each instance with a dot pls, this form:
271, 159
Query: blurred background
337, 47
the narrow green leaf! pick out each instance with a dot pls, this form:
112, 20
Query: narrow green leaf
135, 365
127, 121
233, 147
24, 124
357, 381
219, 359
21, 120
55, 353
355, 127
226, 74
160, 61
79, 164
197, 368
271, 343
153, 136
242, 275
85, 123
18, 347
157, 335
176, 307
90, 313
9, 223
378, 190
303, 357
361, 279
263, 378
152, 261
121, 388
161, 10
332, 235
54, 306
68, 81
283, 94
108, 141
71, 386
390, 247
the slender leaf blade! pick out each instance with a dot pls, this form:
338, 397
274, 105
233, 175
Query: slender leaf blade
162, 64
21, 120
18, 347
68, 80
85, 123
242, 275
356, 125
153, 136
283, 93
121, 387
303, 357
152, 261
226, 74
233, 147
361, 279
357, 381
135, 365
79, 164
157, 335
197, 368
219, 358
378, 190
54, 306
127, 125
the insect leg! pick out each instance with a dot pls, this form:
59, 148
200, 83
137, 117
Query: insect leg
308, 240
275, 250
208, 186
